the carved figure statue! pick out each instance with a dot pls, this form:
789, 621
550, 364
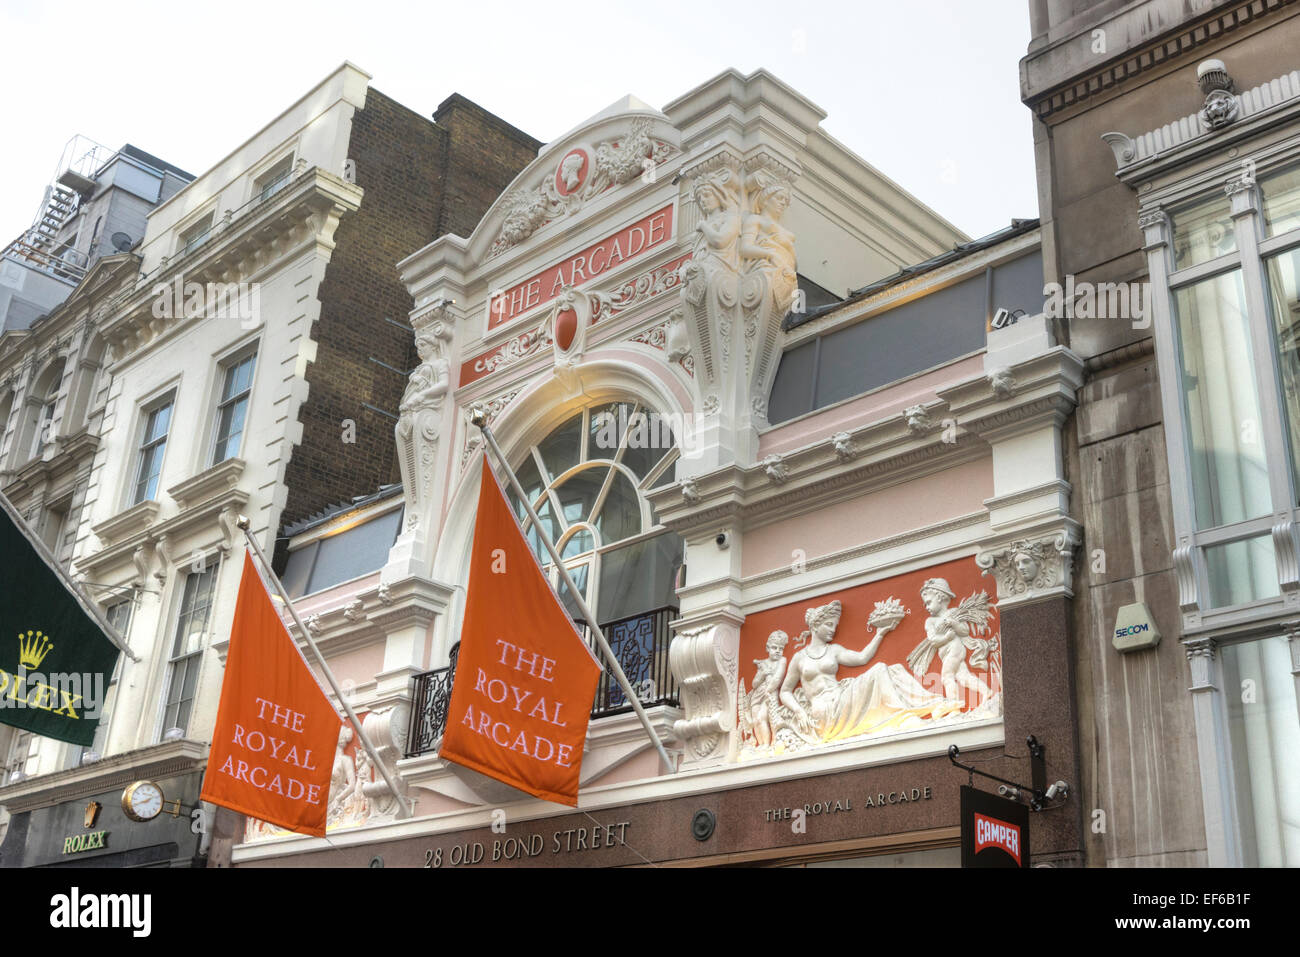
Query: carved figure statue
762, 701
342, 779
884, 697
431, 378
948, 633
767, 247
356, 808
718, 197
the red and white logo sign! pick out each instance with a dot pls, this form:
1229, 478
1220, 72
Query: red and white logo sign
990, 832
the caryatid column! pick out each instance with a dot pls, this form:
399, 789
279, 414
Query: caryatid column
737, 289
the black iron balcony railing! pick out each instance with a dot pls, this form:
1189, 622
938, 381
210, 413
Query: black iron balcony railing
429, 707
640, 642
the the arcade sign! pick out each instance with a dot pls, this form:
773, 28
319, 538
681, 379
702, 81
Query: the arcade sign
623, 246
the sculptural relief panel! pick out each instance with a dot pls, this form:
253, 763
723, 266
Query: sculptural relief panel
906, 653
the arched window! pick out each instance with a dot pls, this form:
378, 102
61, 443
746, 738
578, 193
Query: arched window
87, 386
42, 402
587, 482
6, 408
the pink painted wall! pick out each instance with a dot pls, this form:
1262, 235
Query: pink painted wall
639, 767
890, 511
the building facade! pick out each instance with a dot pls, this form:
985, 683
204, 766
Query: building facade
95, 206
254, 350
798, 440
1166, 141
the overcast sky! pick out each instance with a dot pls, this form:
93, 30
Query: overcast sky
927, 93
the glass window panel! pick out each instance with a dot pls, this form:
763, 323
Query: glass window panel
1203, 232
578, 494
230, 429
1241, 571
792, 391
620, 513
1281, 193
531, 482
639, 577
1265, 735
561, 448
238, 378
650, 438
180, 693
581, 541
358, 551
551, 526
580, 576
150, 468
159, 420
1284, 291
605, 430
119, 616
1229, 474
196, 602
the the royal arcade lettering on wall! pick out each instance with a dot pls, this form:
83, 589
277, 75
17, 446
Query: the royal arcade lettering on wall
846, 803
623, 246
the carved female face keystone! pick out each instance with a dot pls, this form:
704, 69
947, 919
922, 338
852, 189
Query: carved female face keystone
1027, 566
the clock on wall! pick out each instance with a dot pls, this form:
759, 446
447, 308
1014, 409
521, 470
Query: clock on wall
142, 801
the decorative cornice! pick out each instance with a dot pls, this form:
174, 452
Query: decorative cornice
564, 191
1035, 567
72, 454
1121, 356
127, 523
307, 211
1174, 46
217, 512
1223, 109
166, 760
219, 478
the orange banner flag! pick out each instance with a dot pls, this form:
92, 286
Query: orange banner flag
273, 745
525, 680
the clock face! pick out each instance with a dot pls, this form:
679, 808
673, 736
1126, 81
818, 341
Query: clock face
143, 801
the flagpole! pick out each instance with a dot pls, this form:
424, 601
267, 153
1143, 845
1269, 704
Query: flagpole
87, 605
364, 741
479, 418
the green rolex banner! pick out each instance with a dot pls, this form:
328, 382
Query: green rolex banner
55, 659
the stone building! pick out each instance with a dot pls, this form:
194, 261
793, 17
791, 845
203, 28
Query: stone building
799, 441
248, 356
1167, 136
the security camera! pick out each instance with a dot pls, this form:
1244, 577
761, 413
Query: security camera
1009, 792
723, 540
1000, 318
1059, 789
